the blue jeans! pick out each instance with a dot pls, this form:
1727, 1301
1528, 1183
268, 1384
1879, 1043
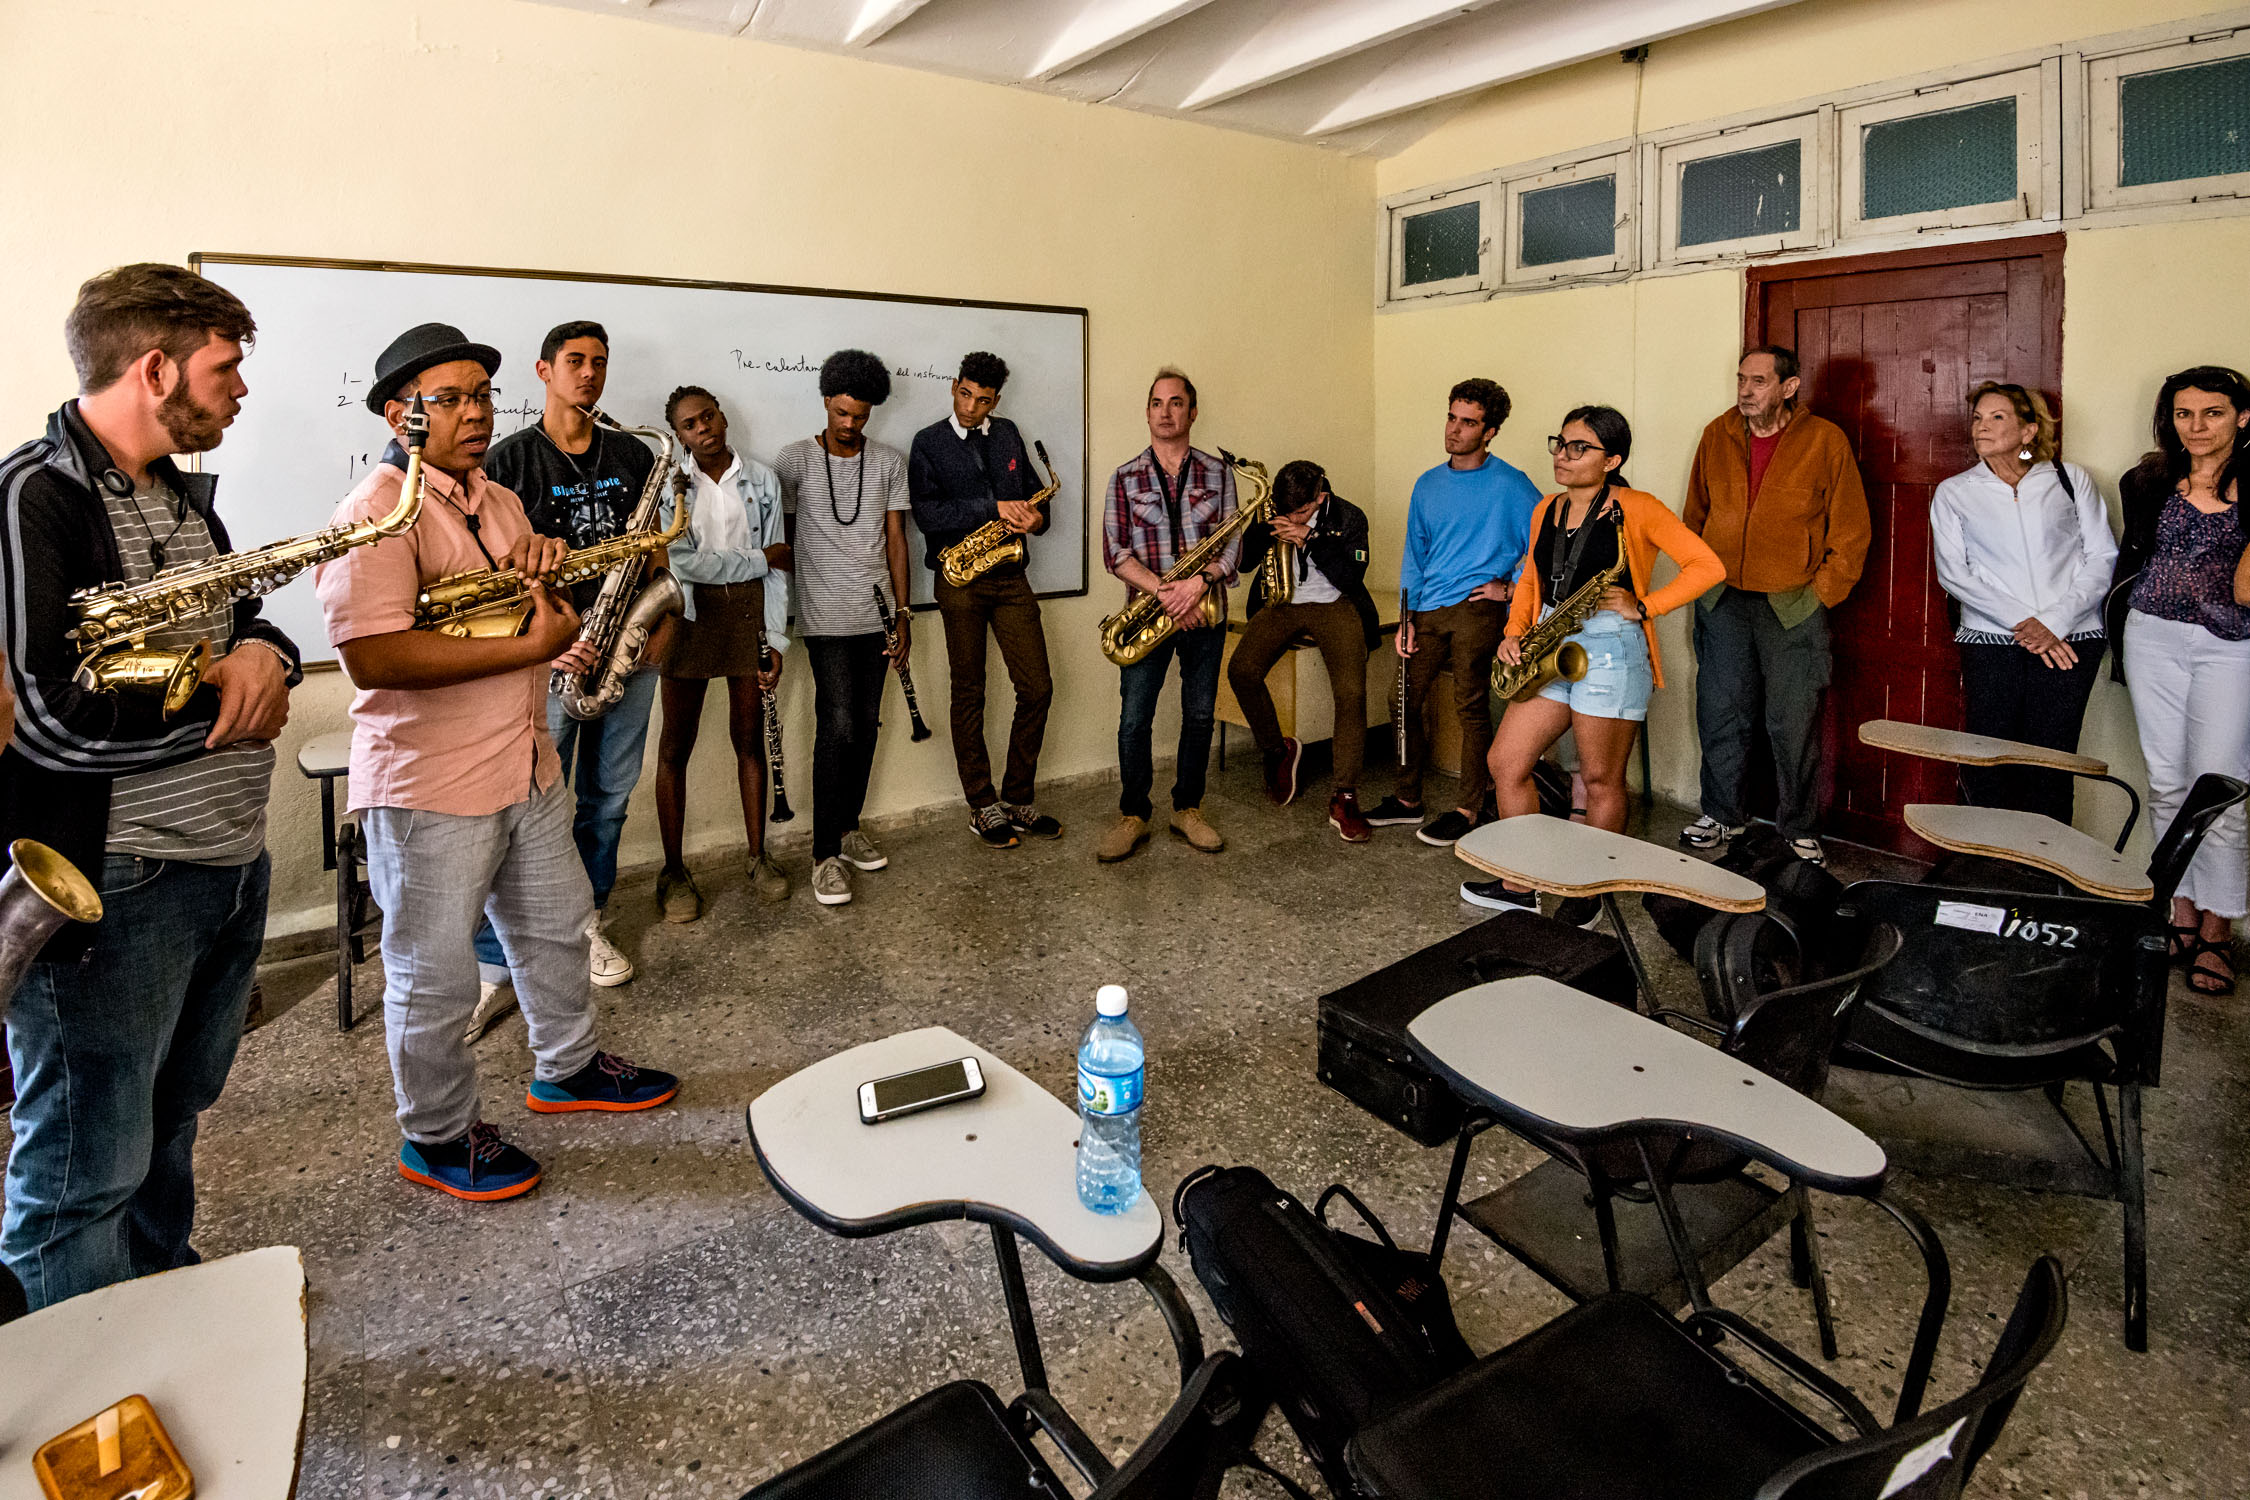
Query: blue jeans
115, 1057
1140, 685
607, 754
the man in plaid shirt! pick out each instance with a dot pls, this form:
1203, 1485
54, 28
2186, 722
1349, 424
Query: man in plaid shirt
1159, 507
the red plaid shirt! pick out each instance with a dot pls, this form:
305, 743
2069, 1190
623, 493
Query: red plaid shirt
1136, 523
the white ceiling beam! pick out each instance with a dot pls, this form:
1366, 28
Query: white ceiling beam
877, 17
1102, 26
1310, 35
1529, 43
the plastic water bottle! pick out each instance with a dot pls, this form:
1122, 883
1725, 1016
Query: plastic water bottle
1111, 1057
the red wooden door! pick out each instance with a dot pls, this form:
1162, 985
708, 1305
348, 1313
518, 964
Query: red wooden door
1889, 347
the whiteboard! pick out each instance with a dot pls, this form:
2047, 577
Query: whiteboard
305, 437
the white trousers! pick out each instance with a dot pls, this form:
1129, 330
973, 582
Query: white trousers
2191, 698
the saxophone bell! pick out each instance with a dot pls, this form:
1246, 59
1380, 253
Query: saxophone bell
40, 892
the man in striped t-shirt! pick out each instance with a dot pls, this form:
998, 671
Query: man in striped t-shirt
120, 1044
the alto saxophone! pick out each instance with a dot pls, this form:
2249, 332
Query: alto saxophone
1277, 570
1142, 625
495, 602
626, 614
993, 543
1548, 652
115, 620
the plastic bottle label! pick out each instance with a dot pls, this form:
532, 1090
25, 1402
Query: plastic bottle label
1109, 1093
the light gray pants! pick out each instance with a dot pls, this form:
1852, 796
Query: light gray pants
2191, 699
434, 874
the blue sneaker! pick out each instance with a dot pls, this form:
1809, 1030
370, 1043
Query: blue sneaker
479, 1166
606, 1082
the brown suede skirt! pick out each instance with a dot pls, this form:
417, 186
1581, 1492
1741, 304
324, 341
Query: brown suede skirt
722, 639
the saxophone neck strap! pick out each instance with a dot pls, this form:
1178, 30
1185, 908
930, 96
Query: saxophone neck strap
1567, 552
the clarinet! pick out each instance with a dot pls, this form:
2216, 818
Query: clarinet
1398, 697
769, 712
905, 673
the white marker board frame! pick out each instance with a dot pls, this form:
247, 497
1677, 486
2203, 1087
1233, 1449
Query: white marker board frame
305, 436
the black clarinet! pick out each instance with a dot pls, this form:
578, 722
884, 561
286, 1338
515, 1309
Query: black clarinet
905, 673
769, 712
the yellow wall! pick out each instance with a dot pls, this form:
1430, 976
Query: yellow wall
2139, 302
550, 138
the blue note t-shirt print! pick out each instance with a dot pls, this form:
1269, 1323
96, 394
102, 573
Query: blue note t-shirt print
583, 498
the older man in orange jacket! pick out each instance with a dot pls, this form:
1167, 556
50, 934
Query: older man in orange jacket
1776, 493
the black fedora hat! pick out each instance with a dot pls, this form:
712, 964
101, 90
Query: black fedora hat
423, 348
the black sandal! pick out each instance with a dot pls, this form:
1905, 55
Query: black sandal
2210, 981
2184, 940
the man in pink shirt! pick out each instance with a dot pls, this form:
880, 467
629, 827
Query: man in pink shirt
457, 784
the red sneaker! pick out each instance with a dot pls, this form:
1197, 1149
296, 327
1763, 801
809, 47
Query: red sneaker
1345, 817
1281, 773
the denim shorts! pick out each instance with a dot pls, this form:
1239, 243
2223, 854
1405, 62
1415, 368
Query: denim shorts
1618, 678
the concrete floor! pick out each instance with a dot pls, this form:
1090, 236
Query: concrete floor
653, 1321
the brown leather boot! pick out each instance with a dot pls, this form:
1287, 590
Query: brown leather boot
1202, 837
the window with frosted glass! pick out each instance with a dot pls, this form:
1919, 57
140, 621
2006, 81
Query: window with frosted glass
1741, 195
1576, 221
1442, 244
2180, 123
1951, 159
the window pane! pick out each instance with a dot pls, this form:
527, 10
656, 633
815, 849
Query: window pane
1741, 194
1950, 159
1442, 244
1576, 221
2184, 122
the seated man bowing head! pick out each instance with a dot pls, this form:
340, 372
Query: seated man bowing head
458, 787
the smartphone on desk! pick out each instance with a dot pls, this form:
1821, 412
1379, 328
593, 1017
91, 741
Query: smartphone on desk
924, 1088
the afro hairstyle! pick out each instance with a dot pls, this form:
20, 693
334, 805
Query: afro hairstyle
857, 374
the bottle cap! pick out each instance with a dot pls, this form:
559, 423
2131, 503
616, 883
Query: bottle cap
1109, 1000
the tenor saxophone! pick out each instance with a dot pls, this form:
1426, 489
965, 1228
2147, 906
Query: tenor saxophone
1142, 625
1548, 651
626, 613
116, 620
495, 602
993, 543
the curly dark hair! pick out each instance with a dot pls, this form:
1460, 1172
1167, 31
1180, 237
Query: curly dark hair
985, 369
1488, 395
857, 374
563, 333
681, 393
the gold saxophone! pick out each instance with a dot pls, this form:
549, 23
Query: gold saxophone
1278, 571
495, 602
1548, 651
993, 543
626, 613
40, 892
115, 620
1141, 626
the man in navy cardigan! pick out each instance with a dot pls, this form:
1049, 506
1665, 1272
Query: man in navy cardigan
964, 472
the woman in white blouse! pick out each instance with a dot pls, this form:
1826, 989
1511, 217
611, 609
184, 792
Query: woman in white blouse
2024, 547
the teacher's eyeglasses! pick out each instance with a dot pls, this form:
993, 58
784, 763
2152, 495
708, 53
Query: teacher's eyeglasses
1572, 450
453, 401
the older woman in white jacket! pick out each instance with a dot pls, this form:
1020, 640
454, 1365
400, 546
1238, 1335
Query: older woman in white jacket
2024, 547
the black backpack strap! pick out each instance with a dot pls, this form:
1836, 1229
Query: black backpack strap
1337, 1190
1179, 1195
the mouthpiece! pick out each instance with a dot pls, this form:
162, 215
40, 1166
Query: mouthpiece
417, 425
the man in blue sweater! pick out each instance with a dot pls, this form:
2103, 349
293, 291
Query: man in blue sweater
1466, 529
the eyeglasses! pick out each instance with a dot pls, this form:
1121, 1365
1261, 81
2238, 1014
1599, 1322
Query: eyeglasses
1574, 449
453, 401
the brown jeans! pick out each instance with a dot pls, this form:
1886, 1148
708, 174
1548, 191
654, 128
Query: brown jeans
1335, 628
1003, 600
1460, 638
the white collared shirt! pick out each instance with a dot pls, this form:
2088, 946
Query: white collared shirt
962, 433
1313, 586
722, 523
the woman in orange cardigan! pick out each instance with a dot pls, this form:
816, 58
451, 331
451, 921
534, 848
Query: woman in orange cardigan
1576, 535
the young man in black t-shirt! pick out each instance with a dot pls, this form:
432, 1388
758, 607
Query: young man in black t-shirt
579, 482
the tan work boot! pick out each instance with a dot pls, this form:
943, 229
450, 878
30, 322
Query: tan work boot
1125, 836
1202, 837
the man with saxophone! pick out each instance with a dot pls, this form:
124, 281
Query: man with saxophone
966, 472
849, 496
580, 482
1159, 506
121, 1036
459, 790
1308, 577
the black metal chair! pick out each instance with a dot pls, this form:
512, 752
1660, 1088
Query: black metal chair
1788, 1034
960, 1442
1618, 1400
2011, 990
